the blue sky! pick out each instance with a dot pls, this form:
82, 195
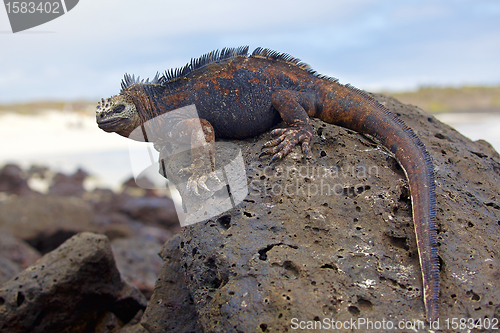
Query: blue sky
374, 45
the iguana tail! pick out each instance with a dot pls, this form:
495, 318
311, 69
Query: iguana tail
354, 109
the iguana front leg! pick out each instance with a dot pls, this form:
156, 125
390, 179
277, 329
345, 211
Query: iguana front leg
294, 107
200, 138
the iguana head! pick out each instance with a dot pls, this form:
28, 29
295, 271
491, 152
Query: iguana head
117, 114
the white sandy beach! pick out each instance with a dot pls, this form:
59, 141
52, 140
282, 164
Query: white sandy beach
67, 140
475, 126
64, 141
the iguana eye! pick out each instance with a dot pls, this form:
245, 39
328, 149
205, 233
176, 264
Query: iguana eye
119, 108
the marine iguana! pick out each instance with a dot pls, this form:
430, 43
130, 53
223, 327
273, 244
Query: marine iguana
238, 95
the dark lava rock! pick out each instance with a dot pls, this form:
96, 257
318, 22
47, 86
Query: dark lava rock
65, 185
8, 269
46, 221
151, 210
133, 326
332, 237
173, 309
123, 215
138, 262
13, 181
15, 255
71, 289
106, 207
137, 328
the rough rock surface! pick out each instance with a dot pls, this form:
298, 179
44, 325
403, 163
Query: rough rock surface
151, 210
138, 262
45, 221
172, 307
65, 185
123, 215
15, 255
75, 288
296, 248
144, 219
13, 181
137, 328
8, 269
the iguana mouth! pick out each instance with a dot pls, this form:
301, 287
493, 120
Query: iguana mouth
110, 125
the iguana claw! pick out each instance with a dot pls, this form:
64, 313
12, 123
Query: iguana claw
198, 178
285, 139
193, 184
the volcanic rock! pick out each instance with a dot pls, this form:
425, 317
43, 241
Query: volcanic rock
295, 251
71, 289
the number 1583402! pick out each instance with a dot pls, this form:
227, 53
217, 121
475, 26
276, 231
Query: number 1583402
16, 7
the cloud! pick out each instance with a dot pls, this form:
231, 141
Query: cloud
368, 42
